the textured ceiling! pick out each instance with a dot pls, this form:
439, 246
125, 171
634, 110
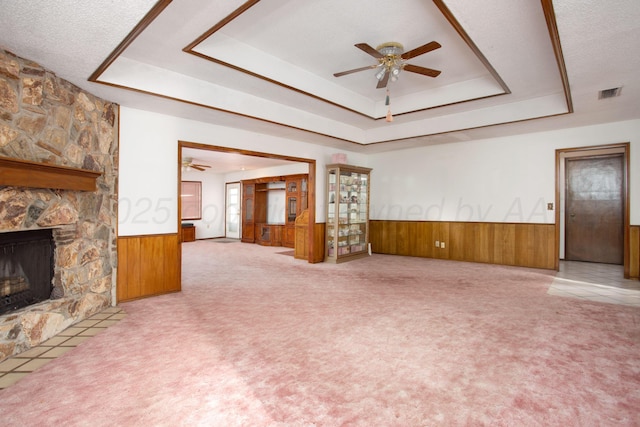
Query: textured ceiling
270, 68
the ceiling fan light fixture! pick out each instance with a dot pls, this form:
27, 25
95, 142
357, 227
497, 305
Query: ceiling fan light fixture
395, 72
390, 49
391, 60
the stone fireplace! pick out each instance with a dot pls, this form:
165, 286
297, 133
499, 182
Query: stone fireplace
45, 120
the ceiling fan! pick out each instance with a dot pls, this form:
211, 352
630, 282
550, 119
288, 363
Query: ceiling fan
392, 59
187, 164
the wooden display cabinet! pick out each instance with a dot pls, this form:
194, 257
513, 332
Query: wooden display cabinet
269, 234
254, 209
255, 225
295, 204
347, 231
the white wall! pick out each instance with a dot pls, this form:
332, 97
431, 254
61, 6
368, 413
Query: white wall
148, 180
213, 200
148, 174
509, 179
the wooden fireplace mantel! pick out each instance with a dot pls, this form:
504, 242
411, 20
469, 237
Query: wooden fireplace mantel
23, 173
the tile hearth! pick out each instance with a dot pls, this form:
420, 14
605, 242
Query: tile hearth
20, 365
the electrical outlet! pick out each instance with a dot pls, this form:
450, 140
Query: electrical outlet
442, 245
437, 243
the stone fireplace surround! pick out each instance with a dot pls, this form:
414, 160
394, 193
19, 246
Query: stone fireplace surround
45, 119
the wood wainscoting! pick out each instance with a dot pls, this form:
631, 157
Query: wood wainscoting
148, 265
525, 245
634, 252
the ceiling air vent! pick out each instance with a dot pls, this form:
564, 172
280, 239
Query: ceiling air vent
609, 93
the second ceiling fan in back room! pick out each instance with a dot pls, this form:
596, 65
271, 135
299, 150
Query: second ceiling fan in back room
188, 164
392, 60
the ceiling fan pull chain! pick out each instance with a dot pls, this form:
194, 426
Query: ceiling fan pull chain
388, 104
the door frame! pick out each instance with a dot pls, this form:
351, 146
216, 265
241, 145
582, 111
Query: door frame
226, 207
311, 192
592, 151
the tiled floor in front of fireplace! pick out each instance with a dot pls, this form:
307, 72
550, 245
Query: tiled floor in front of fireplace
20, 365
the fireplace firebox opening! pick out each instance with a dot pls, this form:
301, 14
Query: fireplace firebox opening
26, 268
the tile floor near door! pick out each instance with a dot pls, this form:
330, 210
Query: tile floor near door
16, 367
594, 282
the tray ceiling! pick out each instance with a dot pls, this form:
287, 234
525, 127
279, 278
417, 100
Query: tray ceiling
268, 65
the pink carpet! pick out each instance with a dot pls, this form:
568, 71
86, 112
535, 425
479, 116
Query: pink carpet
257, 339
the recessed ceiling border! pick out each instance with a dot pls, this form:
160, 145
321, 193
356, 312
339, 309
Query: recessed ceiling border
549, 14
554, 35
474, 48
155, 11
190, 49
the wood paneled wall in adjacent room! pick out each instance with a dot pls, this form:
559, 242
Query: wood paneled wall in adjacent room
634, 252
525, 245
147, 266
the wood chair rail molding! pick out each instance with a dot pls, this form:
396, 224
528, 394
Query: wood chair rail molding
24, 173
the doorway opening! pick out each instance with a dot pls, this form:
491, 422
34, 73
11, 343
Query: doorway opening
311, 167
232, 210
592, 200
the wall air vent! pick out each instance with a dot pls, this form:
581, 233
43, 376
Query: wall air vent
609, 93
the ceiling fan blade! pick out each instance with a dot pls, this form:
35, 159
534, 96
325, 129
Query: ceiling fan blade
420, 50
355, 70
368, 49
198, 168
202, 166
422, 70
382, 83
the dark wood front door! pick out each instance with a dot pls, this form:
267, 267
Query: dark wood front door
594, 214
